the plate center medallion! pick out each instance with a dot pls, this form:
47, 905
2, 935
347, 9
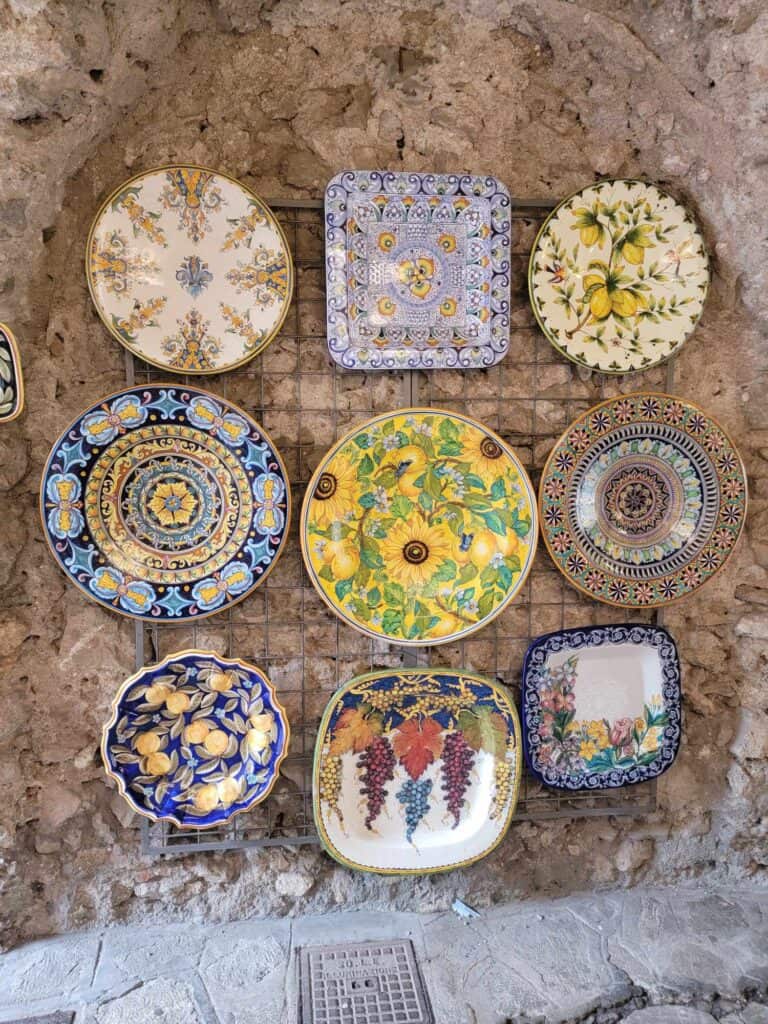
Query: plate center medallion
171, 504
637, 500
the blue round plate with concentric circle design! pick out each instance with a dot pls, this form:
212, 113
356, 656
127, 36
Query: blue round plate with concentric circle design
165, 503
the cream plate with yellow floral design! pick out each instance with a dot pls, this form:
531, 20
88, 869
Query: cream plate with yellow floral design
189, 269
195, 739
419, 526
601, 706
618, 276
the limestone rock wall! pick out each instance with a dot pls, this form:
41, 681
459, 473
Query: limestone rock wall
281, 94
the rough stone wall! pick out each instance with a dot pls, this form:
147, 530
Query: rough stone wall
546, 95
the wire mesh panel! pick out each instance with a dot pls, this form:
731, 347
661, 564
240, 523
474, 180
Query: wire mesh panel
305, 402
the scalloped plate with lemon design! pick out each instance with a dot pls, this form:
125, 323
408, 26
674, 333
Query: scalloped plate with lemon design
195, 739
618, 276
419, 526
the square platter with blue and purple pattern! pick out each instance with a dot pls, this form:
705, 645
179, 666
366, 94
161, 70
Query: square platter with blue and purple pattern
417, 270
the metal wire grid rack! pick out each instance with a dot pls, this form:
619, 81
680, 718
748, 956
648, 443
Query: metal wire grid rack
305, 401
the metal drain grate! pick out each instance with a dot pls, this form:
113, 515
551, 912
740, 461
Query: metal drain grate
364, 983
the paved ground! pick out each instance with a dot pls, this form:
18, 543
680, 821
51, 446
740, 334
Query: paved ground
647, 957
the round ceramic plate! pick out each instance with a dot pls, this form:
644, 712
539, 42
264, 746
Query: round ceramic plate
165, 503
642, 500
618, 276
416, 771
195, 739
419, 526
189, 269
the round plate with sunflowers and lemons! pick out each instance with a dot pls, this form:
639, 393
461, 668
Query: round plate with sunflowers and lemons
618, 276
419, 526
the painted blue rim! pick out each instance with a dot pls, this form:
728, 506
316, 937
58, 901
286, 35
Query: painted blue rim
597, 636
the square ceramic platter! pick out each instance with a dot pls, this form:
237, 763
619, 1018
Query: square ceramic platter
416, 770
601, 706
417, 269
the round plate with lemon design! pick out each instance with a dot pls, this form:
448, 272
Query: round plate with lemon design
419, 526
165, 503
195, 739
618, 276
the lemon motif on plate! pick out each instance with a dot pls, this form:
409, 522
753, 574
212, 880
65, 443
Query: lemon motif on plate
195, 739
618, 276
419, 526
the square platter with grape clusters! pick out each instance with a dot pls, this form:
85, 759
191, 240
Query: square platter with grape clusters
416, 770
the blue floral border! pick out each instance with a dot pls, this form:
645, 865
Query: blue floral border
337, 192
596, 636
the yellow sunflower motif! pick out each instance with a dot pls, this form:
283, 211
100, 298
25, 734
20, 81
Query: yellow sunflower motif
413, 550
335, 493
173, 504
485, 454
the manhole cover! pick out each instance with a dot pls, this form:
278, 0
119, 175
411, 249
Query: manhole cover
364, 983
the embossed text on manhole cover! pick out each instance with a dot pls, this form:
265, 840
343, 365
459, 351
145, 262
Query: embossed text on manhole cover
362, 983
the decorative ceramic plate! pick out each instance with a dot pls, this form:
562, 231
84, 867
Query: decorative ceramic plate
618, 276
416, 770
419, 526
11, 380
165, 503
195, 739
189, 269
601, 706
417, 270
642, 500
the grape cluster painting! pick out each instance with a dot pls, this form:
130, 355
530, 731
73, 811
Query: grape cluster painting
416, 770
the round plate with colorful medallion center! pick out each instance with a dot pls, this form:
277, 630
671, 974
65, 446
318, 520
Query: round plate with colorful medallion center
642, 500
189, 269
165, 503
618, 276
419, 526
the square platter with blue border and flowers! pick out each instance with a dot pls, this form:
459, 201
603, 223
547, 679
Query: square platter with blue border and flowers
601, 706
417, 270
165, 503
